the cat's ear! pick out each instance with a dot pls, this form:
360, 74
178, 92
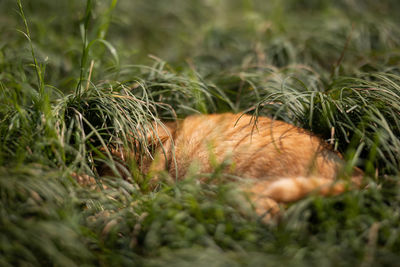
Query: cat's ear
161, 133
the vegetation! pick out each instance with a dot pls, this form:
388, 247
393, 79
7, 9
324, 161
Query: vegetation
77, 77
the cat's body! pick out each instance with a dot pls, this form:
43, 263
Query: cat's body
284, 162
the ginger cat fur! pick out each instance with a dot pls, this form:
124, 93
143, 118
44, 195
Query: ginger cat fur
284, 162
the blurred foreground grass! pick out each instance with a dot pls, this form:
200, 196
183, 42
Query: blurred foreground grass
101, 70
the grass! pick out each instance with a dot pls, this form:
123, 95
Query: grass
79, 77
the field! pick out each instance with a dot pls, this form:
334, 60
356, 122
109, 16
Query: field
78, 76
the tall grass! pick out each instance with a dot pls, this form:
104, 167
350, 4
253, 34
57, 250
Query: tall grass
76, 81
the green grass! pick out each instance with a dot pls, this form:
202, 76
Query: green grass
77, 77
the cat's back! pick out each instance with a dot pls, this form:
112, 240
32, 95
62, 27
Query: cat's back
258, 147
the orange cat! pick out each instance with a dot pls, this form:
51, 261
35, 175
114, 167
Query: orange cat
283, 162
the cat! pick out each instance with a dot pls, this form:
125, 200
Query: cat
283, 163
